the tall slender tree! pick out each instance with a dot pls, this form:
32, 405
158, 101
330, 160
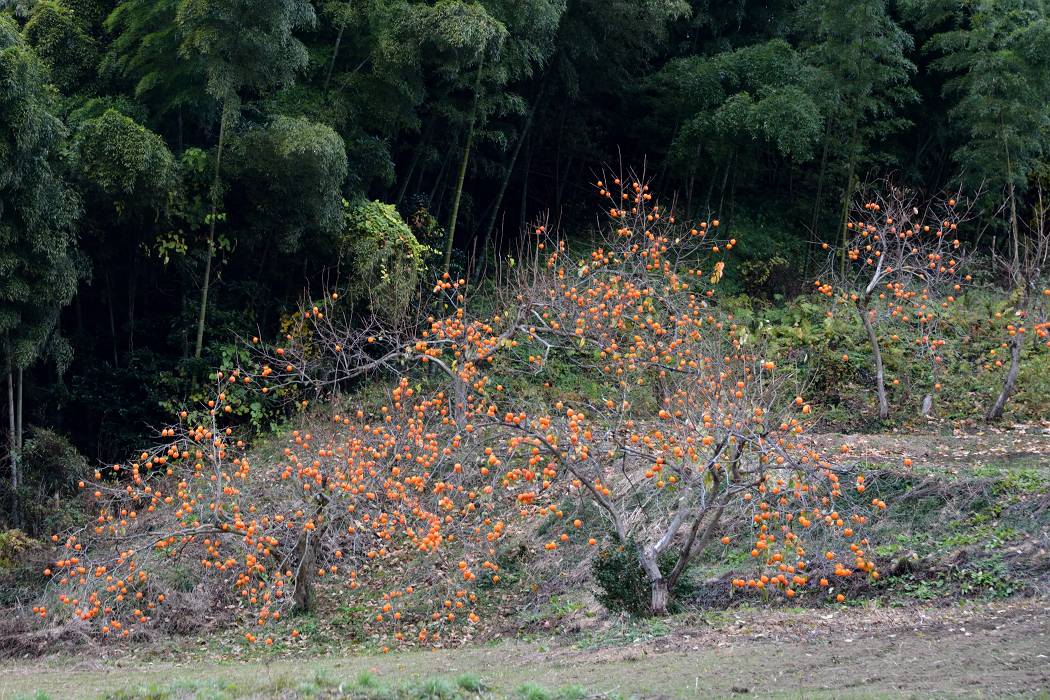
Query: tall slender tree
462, 41
532, 38
37, 211
863, 53
243, 45
996, 54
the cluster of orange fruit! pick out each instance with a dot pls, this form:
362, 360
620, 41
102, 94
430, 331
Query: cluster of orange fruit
686, 418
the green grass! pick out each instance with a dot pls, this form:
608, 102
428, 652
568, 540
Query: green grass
322, 684
677, 657
364, 686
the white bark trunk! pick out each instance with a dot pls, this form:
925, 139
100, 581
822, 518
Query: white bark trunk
880, 374
996, 411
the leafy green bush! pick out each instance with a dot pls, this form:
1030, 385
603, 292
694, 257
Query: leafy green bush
388, 260
833, 360
622, 584
286, 178
764, 277
125, 161
13, 544
51, 468
20, 564
768, 260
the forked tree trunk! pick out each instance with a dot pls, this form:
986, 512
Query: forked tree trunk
1016, 346
880, 374
303, 595
660, 594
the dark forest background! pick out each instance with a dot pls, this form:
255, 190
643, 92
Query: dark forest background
175, 175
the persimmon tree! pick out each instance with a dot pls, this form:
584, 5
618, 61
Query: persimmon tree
385, 491
689, 420
691, 430
905, 266
1029, 316
351, 497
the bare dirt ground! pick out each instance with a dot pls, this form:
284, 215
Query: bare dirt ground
984, 649
954, 448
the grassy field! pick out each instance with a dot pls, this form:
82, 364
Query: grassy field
999, 648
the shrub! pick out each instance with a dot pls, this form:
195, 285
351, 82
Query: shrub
20, 558
14, 544
388, 260
622, 583
60, 39
766, 276
285, 185
125, 161
51, 468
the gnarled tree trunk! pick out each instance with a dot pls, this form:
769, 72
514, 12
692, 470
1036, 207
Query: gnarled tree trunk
306, 553
1016, 346
880, 373
660, 596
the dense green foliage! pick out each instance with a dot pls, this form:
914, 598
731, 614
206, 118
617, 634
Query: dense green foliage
177, 174
37, 271
621, 582
387, 258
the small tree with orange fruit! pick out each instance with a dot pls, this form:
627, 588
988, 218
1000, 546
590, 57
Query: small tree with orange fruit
404, 488
692, 423
901, 268
692, 428
347, 497
1027, 274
